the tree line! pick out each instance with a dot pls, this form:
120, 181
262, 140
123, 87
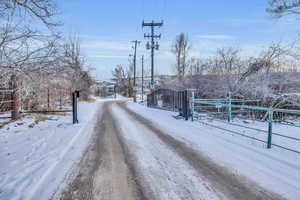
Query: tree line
47, 63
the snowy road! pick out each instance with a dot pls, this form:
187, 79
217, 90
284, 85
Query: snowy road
131, 158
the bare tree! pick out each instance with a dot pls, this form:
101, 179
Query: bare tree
268, 61
124, 80
181, 49
75, 66
45, 63
43, 10
228, 60
119, 76
280, 8
198, 66
21, 44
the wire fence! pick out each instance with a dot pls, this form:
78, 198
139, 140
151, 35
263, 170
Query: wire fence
10, 106
6, 101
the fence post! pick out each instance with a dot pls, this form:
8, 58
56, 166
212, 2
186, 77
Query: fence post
173, 100
192, 104
270, 120
180, 104
229, 107
152, 98
186, 105
73, 107
48, 98
178, 100
15, 104
148, 100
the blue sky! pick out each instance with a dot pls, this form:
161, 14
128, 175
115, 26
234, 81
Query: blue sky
106, 28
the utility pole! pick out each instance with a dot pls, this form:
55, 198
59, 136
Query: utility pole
142, 78
153, 46
136, 42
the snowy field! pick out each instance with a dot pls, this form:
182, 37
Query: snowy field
35, 161
275, 169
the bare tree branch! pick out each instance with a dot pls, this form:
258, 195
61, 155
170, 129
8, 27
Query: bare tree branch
280, 8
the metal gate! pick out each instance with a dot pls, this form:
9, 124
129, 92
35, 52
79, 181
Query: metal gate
173, 100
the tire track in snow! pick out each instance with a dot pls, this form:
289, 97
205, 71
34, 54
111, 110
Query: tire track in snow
161, 172
232, 186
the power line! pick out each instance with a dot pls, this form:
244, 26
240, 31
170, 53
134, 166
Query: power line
162, 8
164, 14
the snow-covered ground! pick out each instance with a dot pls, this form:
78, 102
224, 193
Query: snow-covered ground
284, 135
4, 117
275, 169
35, 161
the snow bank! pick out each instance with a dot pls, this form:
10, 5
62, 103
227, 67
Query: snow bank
35, 161
274, 169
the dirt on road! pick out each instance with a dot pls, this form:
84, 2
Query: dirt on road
103, 171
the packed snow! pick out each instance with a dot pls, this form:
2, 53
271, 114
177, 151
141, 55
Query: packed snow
36, 158
158, 171
275, 169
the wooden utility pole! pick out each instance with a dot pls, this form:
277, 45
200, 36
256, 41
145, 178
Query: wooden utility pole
142, 78
153, 46
136, 42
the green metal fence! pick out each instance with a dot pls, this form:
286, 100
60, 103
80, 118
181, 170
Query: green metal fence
226, 109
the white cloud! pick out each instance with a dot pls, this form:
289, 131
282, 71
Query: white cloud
215, 37
108, 56
107, 45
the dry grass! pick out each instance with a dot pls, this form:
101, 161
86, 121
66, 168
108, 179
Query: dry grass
38, 118
2, 124
56, 113
90, 99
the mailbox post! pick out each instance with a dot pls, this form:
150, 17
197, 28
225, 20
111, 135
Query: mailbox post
75, 96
